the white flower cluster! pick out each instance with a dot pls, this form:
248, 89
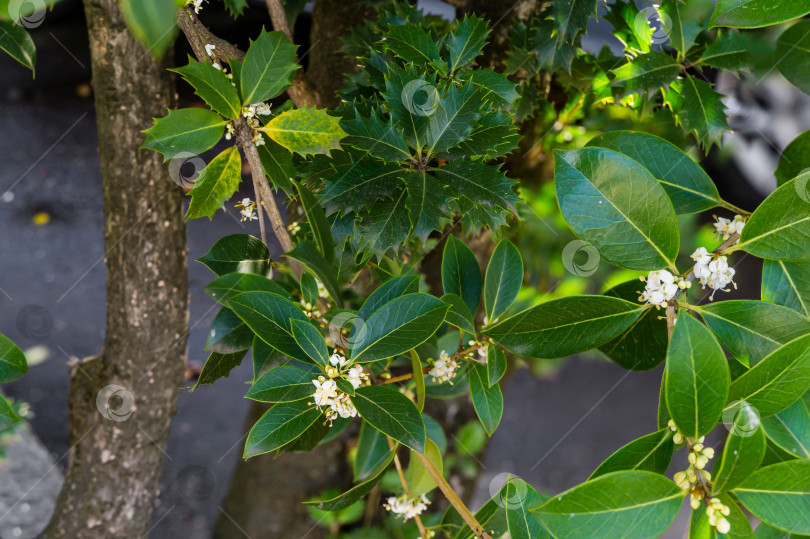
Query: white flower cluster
726, 227
196, 4
717, 512
322, 292
327, 395
444, 369
407, 507
712, 271
310, 310
661, 287
247, 209
483, 348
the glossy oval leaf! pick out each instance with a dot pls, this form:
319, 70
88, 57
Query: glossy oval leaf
496, 364
701, 528
228, 333
520, 499
794, 159
503, 279
461, 274
279, 426
270, 317
237, 253
392, 413
229, 285
652, 453
779, 495
282, 384
615, 204
459, 314
487, 400
307, 253
15, 40
788, 284
218, 366
697, 378
565, 326
790, 428
372, 451
793, 52
389, 290
744, 449
311, 341
756, 13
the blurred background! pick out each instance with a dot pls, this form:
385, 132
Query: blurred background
561, 418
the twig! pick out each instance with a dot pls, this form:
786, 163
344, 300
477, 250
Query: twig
300, 91
199, 36
279, 18
425, 370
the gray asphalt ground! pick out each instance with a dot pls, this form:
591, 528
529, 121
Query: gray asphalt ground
553, 434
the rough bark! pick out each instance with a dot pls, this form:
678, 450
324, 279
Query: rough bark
114, 465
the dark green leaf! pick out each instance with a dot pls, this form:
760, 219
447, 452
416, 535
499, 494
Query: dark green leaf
372, 451
743, 451
8, 416
228, 333
392, 413
418, 380
390, 289
14, 39
522, 498
764, 531
227, 286
270, 317
701, 528
571, 17
697, 378
756, 13
363, 183
790, 428
12, 361
684, 25
268, 67
788, 284
386, 225
279, 426
647, 72
779, 495
421, 98
305, 131
487, 400
307, 254
376, 137
427, 203
615, 204
282, 384
218, 366
317, 222
466, 42
794, 159
503, 279
237, 253
496, 364
495, 87
453, 117
495, 135
461, 274
487, 189
730, 51
278, 165
652, 452
212, 86
216, 184
311, 341
413, 44
152, 22
357, 492
459, 314
263, 356
235, 7
698, 109
565, 326
309, 289
184, 131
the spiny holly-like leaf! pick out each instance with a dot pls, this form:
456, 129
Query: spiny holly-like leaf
216, 184
14, 39
152, 22
268, 67
378, 138
427, 203
698, 109
549, 52
386, 225
467, 42
731, 51
756, 13
412, 97
684, 29
647, 72
413, 44
360, 185
190, 131
235, 7
305, 131
495, 87
212, 86
493, 136
571, 17
453, 118
484, 185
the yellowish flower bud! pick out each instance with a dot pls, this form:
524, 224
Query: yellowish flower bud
697, 447
709, 452
695, 503
678, 438
692, 459
723, 526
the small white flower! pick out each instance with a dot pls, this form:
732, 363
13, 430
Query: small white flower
196, 4
444, 369
216, 65
726, 227
337, 360
325, 391
248, 209
661, 287
209, 49
407, 507
323, 293
257, 139
701, 256
356, 376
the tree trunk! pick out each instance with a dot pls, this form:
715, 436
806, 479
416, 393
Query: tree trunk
122, 402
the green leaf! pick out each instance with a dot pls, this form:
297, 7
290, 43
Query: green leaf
647, 72
282, 384
652, 452
239, 253
152, 22
372, 452
777, 381
487, 400
398, 326
386, 225
701, 528
357, 492
466, 42
228, 333
8, 416
503, 279
389, 290
227, 286
418, 380
565, 326
615, 204
622, 504
522, 497
496, 364
698, 109
453, 117
697, 378
182, 131
751, 330
309, 289
730, 51
790, 428
494, 136
413, 44
743, 451
305, 131
360, 185
270, 317
418, 478
263, 356
268, 67
461, 274
421, 98
487, 188
684, 28
12, 361
459, 314
392, 413
307, 254
644, 345
779, 228
311, 341
235, 7
14, 39
427, 203
317, 221
278, 165
788, 284
571, 17
212, 86
764, 531
756, 13
689, 188
218, 366
378, 138
779, 495
495, 87
279, 426
794, 159
216, 184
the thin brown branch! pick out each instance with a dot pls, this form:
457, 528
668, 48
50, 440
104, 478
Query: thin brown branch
199, 36
300, 92
279, 18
